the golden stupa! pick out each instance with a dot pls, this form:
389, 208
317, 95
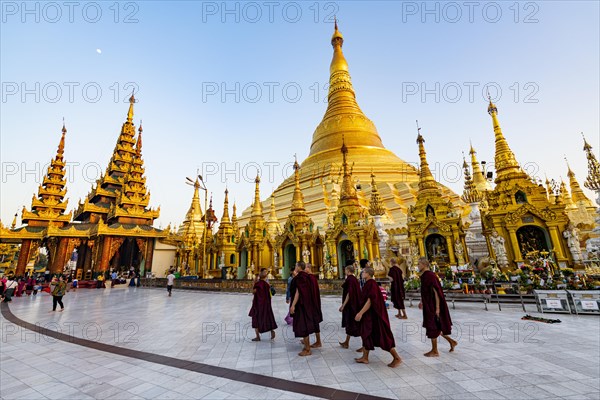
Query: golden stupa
321, 171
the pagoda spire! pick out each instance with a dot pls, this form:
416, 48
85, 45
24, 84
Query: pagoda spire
479, 180
210, 214
592, 181
342, 105
298, 198
507, 166
194, 218
376, 206
566, 196
577, 193
130, 111
49, 205
257, 210
470, 193
234, 219
426, 180
348, 191
14, 222
225, 218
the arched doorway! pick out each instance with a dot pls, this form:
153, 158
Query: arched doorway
345, 252
437, 249
532, 238
289, 260
243, 264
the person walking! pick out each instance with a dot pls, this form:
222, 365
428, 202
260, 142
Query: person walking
170, 282
59, 290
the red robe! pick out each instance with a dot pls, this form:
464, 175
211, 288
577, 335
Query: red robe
317, 298
351, 288
375, 328
397, 287
306, 312
434, 326
261, 311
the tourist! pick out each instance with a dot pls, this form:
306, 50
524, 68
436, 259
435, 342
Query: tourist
170, 281
288, 297
364, 263
375, 328
436, 317
31, 282
113, 279
132, 280
75, 283
59, 290
261, 312
10, 286
304, 307
350, 306
397, 289
317, 297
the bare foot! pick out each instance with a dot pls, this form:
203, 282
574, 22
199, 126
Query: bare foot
316, 345
405, 317
432, 354
344, 345
304, 353
453, 344
362, 360
360, 350
61, 310
272, 335
395, 362
399, 316
256, 339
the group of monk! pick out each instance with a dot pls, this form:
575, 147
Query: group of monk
364, 312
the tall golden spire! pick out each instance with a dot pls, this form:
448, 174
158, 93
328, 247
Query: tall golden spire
470, 192
130, 111
592, 181
234, 219
257, 210
426, 180
376, 206
348, 191
576, 192
507, 166
343, 112
565, 195
298, 199
479, 180
225, 218
49, 206
14, 222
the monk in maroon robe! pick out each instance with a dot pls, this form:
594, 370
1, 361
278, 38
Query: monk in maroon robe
261, 312
350, 306
319, 312
304, 307
436, 317
375, 328
397, 289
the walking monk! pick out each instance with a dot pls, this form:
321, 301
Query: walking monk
261, 312
350, 305
397, 289
317, 297
374, 322
304, 307
436, 317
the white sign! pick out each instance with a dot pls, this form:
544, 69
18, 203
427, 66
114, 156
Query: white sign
555, 304
589, 305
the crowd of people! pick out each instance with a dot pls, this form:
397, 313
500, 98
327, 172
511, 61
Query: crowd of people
364, 310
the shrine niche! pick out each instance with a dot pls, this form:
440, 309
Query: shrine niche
532, 238
437, 249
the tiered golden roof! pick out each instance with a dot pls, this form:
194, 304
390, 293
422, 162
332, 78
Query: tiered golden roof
48, 207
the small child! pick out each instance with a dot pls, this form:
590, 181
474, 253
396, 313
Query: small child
384, 294
74, 283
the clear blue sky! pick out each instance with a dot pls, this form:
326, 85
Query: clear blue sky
543, 55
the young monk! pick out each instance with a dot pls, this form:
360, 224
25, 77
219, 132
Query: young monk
319, 312
261, 312
375, 328
350, 305
304, 307
397, 289
436, 317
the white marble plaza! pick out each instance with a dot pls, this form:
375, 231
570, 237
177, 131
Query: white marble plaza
499, 355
